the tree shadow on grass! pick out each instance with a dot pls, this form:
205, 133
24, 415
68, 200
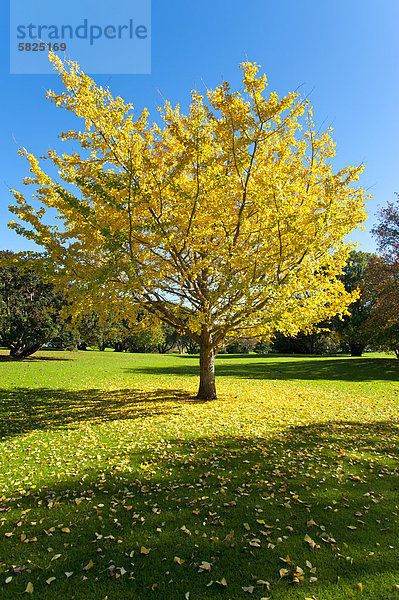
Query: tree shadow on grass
33, 358
309, 368
240, 504
25, 409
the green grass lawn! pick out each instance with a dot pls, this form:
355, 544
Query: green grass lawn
115, 483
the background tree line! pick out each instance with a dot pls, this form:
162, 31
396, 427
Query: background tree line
32, 312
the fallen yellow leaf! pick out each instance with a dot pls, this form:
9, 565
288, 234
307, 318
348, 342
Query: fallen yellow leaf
89, 565
29, 588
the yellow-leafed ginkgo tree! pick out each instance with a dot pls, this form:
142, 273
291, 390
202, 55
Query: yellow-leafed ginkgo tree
225, 222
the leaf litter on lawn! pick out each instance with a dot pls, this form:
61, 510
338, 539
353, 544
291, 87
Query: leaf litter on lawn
233, 486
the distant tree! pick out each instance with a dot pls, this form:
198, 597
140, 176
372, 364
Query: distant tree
93, 330
355, 329
190, 345
263, 346
144, 340
87, 330
29, 308
316, 342
66, 339
383, 284
135, 334
386, 230
240, 346
169, 339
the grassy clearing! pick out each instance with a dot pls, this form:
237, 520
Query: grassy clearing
115, 483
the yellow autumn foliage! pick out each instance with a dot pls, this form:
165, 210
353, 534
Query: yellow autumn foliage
227, 221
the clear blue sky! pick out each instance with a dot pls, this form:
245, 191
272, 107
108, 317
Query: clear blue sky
344, 53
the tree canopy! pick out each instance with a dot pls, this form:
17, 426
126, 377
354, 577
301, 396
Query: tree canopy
356, 328
29, 308
383, 284
224, 222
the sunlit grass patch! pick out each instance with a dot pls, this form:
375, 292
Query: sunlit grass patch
116, 482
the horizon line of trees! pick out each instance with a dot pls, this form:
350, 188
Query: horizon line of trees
32, 312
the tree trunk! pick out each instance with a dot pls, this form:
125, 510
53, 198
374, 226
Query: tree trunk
19, 350
357, 349
207, 387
